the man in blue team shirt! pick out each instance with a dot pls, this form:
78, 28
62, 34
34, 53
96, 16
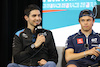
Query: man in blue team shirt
82, 45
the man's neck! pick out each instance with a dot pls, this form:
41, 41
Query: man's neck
32, 29
86, 33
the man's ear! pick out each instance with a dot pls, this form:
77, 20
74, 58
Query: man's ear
26, 17
79, 20
93, 22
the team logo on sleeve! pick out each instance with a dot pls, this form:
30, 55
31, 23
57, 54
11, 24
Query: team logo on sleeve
80, 41
94, 40
24, 35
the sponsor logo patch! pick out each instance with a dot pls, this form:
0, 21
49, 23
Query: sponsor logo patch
80, 41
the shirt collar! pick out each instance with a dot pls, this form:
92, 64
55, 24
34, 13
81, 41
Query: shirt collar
29, 31
80, 33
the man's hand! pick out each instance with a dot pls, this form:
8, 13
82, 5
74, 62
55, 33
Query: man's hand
42, 62
39, 40
93, 51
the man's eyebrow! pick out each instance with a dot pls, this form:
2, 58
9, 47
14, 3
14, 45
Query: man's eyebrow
34, 15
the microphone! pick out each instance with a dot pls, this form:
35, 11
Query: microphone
40, 30
93, 57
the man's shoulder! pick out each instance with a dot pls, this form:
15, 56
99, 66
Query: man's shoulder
97, 34
19, 32
47, 31
73, 35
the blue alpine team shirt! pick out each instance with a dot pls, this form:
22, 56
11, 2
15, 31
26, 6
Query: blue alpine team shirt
79, 42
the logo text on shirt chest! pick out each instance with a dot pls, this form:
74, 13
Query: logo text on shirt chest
80, 41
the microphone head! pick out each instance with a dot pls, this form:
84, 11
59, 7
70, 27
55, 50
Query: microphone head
38, 29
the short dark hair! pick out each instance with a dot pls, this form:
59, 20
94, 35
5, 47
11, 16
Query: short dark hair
30, 8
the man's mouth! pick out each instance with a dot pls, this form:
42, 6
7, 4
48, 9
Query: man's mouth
85, 26
37, 22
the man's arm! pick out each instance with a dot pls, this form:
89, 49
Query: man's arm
19, 53
70, 55
53, 55
52, 52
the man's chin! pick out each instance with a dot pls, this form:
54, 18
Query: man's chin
86, 30
37, 24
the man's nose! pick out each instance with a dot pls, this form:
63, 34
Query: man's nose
85, 22
37, 17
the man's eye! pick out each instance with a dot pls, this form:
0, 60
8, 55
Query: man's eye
88, 20
34, 15
82, 20
39, 15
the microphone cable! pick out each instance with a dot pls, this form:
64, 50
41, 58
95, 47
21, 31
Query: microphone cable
34, 54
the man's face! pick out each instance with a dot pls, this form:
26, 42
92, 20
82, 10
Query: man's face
86, 23
34, 18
